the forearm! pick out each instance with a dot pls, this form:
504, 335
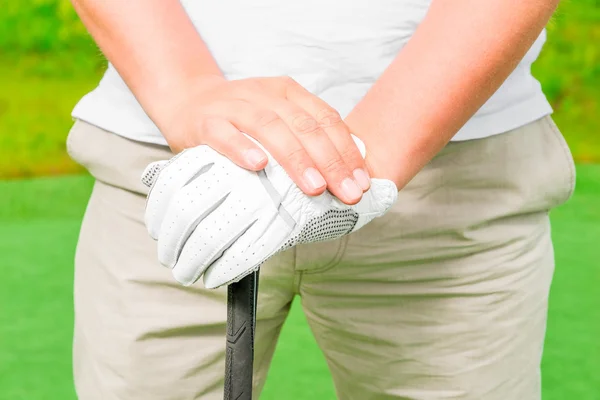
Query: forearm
152, 44
458, 57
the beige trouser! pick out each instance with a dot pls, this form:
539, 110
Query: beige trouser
443, 298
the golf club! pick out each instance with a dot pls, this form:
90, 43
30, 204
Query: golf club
241, 321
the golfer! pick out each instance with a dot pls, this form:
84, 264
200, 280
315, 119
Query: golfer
443, 296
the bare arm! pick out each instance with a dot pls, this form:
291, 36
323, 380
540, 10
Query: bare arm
458, 57
159, 54
152, 43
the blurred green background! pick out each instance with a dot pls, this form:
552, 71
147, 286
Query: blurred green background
47, 62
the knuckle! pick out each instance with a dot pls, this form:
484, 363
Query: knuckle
287, 81
247, 88
328, 117
248, 82
208, 125
297, 157
303, 124
335, 166
207, 129
192, 134
351, 153
266, 118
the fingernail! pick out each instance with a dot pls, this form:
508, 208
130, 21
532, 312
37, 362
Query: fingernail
362, 178
254, 157
313, 178
351, 189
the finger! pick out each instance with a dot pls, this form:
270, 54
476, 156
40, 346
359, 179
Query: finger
225, 138
190, 206
271, 131
318, 145
335, 128
249, 251
174, 175
338, 176
217, 232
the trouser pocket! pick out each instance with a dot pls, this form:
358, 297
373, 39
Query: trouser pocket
565, 173
113, 159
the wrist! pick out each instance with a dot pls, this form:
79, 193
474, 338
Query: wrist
184, 88
169, 103
380, 159
378, 168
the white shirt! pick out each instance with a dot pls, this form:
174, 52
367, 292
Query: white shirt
336, 49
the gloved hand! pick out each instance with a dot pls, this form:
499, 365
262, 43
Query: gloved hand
213, 218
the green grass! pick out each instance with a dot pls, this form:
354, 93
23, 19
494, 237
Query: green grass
41, 26
47, 62
35, 108
569, 70
37, 240
572, 356
39, 221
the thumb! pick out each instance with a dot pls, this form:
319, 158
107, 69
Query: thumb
384, 194
376, 202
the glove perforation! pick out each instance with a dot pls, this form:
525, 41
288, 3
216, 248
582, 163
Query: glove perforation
329, 226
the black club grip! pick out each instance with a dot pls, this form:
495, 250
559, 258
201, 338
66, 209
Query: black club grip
241, 320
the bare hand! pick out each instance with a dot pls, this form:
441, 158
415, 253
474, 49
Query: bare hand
303, 133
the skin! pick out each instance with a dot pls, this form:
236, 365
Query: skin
160, 56
458, 57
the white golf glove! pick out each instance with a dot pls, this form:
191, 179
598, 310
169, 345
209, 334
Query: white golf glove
216, 219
